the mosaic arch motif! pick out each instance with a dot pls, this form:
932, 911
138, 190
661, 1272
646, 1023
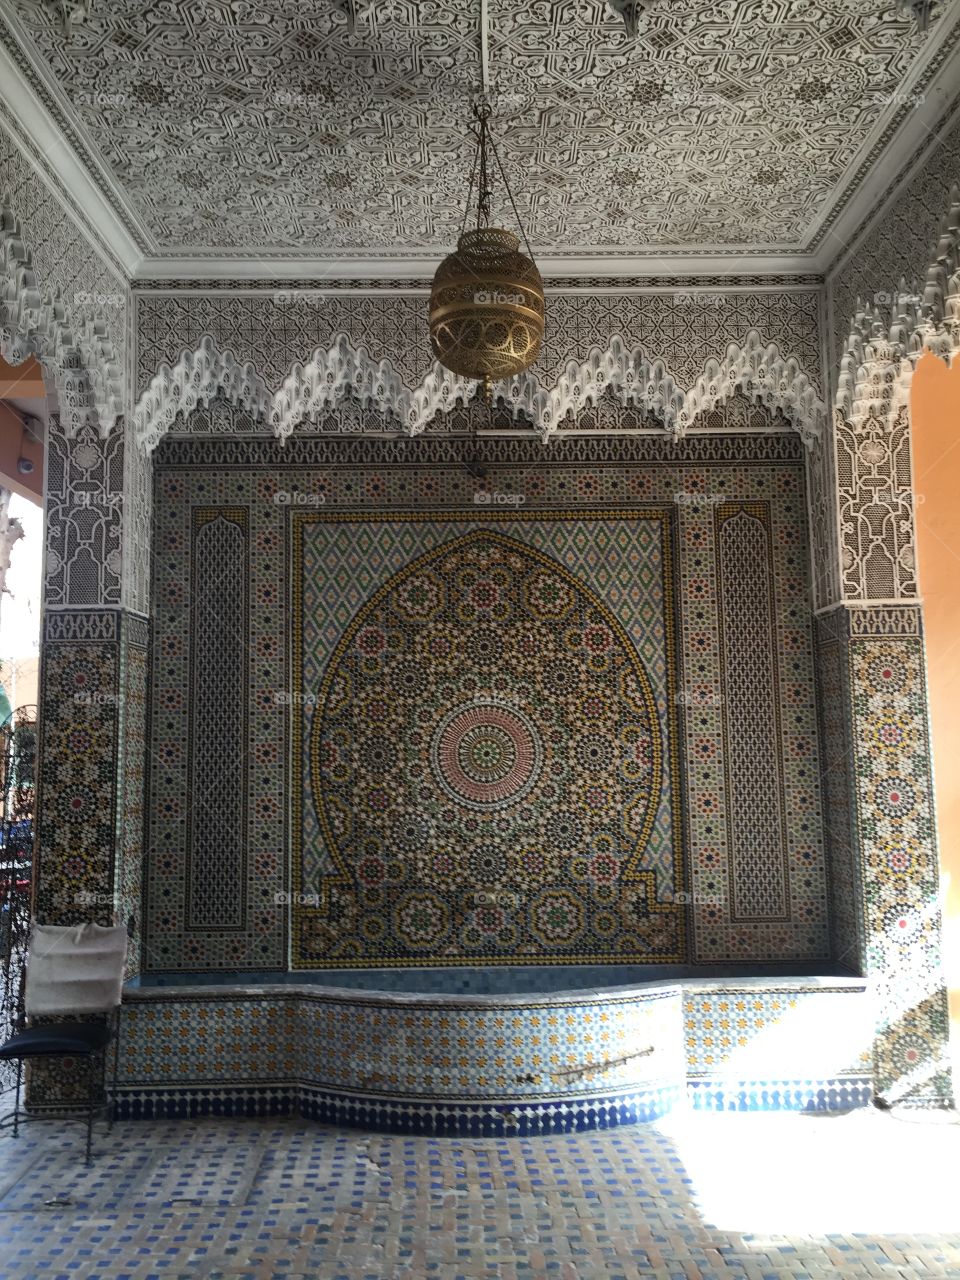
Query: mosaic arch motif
378, 514
486, 763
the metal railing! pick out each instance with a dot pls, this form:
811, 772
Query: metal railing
18, 760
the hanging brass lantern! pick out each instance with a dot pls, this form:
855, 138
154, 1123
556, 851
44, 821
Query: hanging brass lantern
486, 304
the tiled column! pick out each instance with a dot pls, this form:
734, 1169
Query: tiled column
880, 821
847, 925
92, 689
882, 840
898, 848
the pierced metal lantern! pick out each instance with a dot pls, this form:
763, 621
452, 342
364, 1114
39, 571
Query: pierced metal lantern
487, 304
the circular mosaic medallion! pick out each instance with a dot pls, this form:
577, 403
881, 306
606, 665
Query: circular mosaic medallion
421, 919
911, 1050
887, 673
556, 916
895, 797
485, 755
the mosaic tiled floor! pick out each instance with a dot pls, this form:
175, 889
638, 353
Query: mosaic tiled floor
696, 1196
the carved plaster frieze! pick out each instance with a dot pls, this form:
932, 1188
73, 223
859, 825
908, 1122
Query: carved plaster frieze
886, 341
758, 370
871, 421
762, 373
196, 378
77, 354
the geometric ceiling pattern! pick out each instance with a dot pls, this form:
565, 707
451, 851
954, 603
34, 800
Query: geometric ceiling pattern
339, 128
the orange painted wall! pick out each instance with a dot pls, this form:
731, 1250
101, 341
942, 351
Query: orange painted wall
935, 430
14, 444
24, 380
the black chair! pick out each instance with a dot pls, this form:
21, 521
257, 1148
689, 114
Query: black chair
74, 972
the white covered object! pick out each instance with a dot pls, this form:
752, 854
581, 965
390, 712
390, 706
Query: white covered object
74, 968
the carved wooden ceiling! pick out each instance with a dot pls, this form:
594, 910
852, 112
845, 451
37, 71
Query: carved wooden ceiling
337, 130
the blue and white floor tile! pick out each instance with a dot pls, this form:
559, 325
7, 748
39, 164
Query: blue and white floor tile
695, 1196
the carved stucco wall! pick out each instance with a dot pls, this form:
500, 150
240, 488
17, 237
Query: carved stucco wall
61, 296
894, 297
263, 347
673, 353
895, 246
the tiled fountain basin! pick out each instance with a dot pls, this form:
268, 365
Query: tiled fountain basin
453, 1051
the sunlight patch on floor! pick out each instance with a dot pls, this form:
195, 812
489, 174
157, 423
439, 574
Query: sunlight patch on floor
817, 1173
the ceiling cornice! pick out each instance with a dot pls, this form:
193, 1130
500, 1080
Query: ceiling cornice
898, 148
410, 267
52, 152
895, 187
383, 286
